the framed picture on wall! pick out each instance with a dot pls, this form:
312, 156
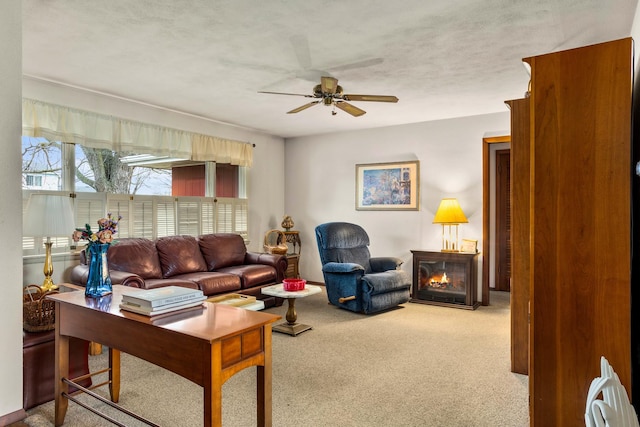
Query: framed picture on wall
388, 186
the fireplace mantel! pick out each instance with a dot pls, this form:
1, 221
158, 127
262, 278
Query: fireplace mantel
445, 278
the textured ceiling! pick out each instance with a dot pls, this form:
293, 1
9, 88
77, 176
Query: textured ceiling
210, 58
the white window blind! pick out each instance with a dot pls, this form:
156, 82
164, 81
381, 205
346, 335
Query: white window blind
119, 205
142, 217
150, 216
188, 210
207, 216
165, 216
232, 216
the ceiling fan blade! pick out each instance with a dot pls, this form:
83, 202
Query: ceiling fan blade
301, 49
329, 84
375, 98
284, 93
303, 107
358, 64
351, 109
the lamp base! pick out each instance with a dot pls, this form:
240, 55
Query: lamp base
48, 285
449, 250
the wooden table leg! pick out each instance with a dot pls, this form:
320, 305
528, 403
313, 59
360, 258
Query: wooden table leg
62, 371
213, 390
95, 348
291, 316
264, 382
114, 374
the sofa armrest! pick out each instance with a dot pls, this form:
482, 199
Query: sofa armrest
80, 273
126, 279
380, 264
279, 262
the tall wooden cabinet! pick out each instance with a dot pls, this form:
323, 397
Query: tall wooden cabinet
576, 250
520, 226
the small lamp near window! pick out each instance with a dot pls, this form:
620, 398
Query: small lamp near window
450, 215
48, 215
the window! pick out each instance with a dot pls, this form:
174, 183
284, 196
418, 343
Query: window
34, 181
139, 191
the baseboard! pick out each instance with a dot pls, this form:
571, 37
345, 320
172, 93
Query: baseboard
13, 417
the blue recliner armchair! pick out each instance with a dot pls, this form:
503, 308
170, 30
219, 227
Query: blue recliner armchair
353, 279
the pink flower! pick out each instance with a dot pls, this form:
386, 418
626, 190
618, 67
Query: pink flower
105, 236
107, 227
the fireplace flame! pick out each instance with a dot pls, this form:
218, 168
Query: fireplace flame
441, 282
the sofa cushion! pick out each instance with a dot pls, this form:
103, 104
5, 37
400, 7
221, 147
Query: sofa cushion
253, 274
222, 250
174, 281
135, 255
212, 282
179, 255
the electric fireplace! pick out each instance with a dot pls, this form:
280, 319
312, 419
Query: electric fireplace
445, 278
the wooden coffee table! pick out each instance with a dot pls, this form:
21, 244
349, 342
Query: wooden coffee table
291, 327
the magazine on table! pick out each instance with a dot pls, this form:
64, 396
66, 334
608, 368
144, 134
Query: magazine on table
153, 298
169, 308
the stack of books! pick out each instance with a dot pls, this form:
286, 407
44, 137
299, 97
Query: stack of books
169, 299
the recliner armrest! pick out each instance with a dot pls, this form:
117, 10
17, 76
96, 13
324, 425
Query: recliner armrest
379, 264
342, 267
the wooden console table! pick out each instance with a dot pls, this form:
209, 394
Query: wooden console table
208, 347
292, 239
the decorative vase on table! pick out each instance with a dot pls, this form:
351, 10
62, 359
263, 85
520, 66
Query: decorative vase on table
98, 282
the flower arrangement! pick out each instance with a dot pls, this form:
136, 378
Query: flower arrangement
107, 227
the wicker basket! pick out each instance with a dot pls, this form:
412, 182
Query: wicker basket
38, 313
275, 243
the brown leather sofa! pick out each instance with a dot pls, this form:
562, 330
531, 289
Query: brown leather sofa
215, 263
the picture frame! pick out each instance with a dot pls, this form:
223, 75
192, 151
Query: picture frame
469, 246
388, 186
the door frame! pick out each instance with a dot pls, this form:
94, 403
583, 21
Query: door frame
486, 209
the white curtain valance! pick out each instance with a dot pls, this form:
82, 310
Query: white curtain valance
60, 123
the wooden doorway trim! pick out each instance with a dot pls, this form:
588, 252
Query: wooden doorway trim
486, 223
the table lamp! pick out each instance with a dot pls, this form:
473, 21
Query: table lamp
48, 215
450, 215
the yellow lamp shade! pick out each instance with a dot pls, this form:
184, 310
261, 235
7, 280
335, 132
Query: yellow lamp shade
450, 212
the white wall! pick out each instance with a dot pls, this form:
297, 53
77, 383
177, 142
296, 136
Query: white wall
10, 210
320, 183
635, 33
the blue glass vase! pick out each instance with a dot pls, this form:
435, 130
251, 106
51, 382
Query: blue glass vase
98, 282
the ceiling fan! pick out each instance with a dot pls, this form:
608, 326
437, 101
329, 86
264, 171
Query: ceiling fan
329, 93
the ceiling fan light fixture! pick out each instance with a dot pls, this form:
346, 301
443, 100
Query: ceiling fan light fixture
329, 85
329, 92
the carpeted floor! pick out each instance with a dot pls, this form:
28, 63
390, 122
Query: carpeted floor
417, 365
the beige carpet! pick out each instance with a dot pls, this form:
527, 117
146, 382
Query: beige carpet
417, 365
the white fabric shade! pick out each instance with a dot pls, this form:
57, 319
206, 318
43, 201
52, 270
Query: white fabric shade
65, 124
48, 215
